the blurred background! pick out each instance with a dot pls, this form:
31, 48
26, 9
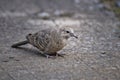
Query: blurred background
94, 56
57, 8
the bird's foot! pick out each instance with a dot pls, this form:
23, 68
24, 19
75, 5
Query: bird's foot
61, 55
53, 55
58, 55
48, 56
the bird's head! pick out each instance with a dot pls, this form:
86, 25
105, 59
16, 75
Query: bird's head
67, 32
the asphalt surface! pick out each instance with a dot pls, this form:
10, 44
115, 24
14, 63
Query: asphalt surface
94, 56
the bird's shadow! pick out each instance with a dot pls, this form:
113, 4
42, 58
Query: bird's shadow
36, 52
32, 51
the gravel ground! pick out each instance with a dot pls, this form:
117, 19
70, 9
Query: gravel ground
94, 56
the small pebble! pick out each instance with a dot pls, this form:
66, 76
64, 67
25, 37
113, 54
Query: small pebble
103, 6
11, 57
100, 6
97, 1
17, 60
5, 60
44, 15
77, 1
63, 13
103, 53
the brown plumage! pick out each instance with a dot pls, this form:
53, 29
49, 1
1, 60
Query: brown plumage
48, 41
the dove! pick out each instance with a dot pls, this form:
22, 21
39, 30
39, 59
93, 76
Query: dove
49, 41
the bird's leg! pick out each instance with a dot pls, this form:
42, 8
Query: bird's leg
61, 55
46, 55
53, 55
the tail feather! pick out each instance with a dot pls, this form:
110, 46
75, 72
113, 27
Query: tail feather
19, 44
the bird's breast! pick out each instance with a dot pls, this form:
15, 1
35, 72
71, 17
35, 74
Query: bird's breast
56, 46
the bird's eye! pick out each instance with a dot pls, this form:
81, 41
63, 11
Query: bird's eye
67, 32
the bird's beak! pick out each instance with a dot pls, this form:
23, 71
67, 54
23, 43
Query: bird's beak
74, 36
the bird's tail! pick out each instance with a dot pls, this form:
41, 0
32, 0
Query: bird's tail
19, 44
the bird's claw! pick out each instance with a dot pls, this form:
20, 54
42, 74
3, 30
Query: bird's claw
61, 55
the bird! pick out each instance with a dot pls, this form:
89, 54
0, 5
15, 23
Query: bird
48, 41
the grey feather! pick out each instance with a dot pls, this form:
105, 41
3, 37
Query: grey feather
49, 40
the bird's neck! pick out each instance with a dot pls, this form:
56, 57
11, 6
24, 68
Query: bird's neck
65, 37
64, 42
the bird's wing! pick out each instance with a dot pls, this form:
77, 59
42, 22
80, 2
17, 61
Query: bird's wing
46, 40
42, 39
